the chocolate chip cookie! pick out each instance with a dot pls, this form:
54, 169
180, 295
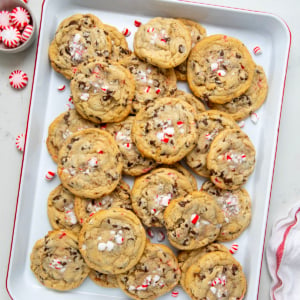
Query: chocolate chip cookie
90, 163
219, 68
166, 131
193, 221
231, 159
79, 38
56, 261
112, 241
154, 275
163, 42
102, 91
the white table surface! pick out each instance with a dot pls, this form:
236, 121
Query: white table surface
14, 110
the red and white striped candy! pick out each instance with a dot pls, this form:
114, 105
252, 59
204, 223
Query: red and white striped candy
0, 35
242, 124
25, 1
175, 293
4, 19
160, 236
20, 17
157, 90
137, 23
194, 218
126, 32
150, 232
11, 37
50, 175
61, 87
233, 248
257, 50
18, 79
254, 118
150, 29
26, 33
20, 141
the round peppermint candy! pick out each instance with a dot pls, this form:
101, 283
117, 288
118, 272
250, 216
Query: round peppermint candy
4, 19
26, 33
18, 79
11, 37
20, 141
20, 17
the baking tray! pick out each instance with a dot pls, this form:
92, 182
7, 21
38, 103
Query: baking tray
254, 28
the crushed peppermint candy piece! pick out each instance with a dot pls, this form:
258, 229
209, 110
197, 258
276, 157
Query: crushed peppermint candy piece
233, 248
4, 19
18, 79
137, 23
221, 73
20, 142
20, 17
150, 232
61, 87
160, 236
257, 50
50, 175
85, 96
175, 293
150, 29
11, 37
214, 66
126, 32
26, 33
194, 218
242, 124
254, 118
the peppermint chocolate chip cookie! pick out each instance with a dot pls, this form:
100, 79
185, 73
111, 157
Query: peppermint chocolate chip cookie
150, 82
193, 221
61, 210
211, 123
241, 107
79, 38
219, 68
187, 258
63, 126
216, 275
102, 91
112, 241
163, 42
152, 193
236, 207
119, 197
155, 274
197, 32
90, 163
165, 131
56, 261
134, 163
231, 159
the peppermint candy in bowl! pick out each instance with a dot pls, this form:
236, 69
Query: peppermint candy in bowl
17, 26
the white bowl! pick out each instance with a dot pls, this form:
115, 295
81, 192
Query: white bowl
9, 5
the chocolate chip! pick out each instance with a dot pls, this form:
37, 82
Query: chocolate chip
181, 49
221, 53
237, 55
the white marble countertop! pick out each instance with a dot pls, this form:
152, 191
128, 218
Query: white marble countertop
14, 110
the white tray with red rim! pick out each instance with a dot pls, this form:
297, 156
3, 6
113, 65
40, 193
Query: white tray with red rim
254, 28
